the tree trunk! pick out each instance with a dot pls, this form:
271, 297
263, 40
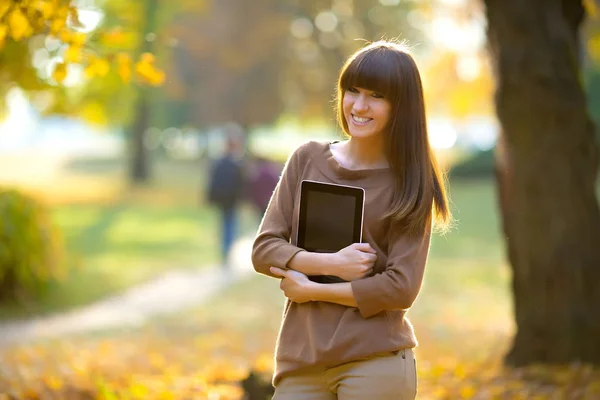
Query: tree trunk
546, 171
140, 167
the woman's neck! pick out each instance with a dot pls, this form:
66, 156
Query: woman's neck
364, 153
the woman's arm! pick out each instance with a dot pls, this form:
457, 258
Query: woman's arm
272, 245
299, 289
395, 288
350, 263
339, 293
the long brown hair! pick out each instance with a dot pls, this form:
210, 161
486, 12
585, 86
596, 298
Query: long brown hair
388, 68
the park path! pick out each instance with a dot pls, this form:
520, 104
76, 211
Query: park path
171, 292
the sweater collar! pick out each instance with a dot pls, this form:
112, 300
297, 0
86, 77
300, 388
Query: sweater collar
351, 174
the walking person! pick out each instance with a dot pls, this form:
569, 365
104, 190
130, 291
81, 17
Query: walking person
352, 340
261, 183
225, 190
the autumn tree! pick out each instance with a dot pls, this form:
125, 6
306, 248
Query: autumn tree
112, 51
251, 62
227, 62
547, 179
27, 25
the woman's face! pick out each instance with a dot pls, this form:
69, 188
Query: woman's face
367, 113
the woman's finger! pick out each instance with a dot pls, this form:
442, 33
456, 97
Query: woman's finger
277, 271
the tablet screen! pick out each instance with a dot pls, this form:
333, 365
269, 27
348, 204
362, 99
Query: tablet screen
330, 216
326, 230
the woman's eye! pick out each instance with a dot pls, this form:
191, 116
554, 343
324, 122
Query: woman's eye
353, 90
377, 95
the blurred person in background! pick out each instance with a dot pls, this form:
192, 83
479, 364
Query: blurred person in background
226, 191
352, 339
262, 179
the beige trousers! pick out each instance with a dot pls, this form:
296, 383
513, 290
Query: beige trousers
392, 376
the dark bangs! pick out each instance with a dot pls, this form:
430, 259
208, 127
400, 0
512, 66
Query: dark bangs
374, 70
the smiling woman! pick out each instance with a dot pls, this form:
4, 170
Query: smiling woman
325, 348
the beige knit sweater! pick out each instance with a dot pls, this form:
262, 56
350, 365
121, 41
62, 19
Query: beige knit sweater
328, 334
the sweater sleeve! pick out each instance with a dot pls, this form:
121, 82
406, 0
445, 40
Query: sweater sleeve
398, 286
272, 245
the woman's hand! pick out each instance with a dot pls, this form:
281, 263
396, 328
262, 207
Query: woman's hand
354, 262
295, 285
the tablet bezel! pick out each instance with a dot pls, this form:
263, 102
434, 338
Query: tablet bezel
354, 191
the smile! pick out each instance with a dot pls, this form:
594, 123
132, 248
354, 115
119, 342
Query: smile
360, 120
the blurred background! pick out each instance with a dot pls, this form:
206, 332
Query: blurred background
112, 116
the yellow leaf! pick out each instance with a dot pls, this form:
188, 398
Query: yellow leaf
60, 72
57, 25
154, 77
45, 8
54, 383
97, 67
72, 54
119, 38
3, 32
19, 25
147, 58
124, 66
264, 363
65, 36
467, 392
148, 72
138, 391
78, 38
4, 7
460, 372
59, 20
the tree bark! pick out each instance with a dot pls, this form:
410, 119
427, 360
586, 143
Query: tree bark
139, 171
140, 168
546, 169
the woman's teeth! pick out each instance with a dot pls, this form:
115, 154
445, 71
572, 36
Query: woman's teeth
360, 119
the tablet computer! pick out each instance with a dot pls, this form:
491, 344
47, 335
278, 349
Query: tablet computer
330, 218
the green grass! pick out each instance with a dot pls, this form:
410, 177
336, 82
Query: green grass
135, 235
112, 247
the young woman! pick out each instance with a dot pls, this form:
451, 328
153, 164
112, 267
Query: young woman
352, 340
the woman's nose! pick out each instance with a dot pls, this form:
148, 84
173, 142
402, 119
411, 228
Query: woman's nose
360, 103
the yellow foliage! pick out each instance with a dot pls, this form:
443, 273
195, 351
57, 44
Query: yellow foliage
3, 32
73, 38
60, 72
78, 38
124, 66
20, 28
4, 7
54, 382
97, 67
146, 70
45, 8
264, 362
94, 112
117, 37
57, 25
23, 19
467, 392
72, 54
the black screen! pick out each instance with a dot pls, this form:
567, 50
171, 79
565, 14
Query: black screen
329, 221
